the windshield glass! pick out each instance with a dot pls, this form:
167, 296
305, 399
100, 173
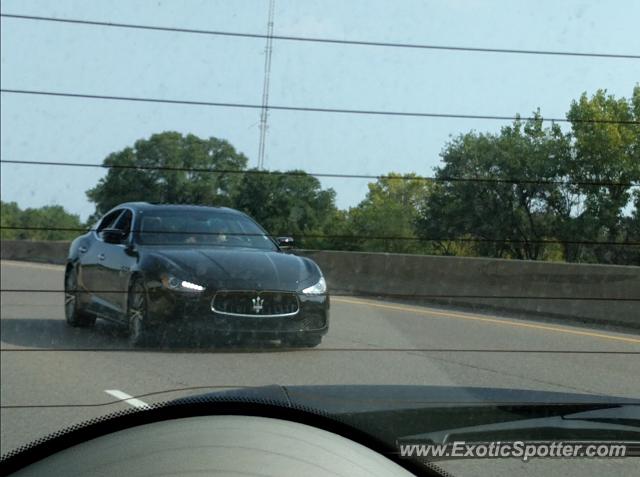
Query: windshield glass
394, 205
189, 227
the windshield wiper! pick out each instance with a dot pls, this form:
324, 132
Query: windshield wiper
617, 423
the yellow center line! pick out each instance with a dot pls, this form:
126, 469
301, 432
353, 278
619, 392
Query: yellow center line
494, 321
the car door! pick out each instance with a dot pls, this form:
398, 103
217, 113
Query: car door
115, 265
89, 270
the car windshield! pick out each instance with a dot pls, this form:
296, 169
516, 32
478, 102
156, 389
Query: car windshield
188, 227
400, 211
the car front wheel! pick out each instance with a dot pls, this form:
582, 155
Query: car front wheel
140, 333
74, 314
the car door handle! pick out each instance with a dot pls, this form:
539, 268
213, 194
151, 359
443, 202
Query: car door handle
82, 249
101, 256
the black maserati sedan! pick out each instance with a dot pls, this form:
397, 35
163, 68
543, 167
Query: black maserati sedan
159, 269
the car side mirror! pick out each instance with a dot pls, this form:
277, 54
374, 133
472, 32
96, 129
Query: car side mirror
285, 243
130, 250
113, 235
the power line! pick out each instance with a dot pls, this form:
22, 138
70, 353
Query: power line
315, 350
331, 175
308, 109
339, 237
356, 293
333, 41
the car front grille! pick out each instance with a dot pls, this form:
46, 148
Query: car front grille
255, 304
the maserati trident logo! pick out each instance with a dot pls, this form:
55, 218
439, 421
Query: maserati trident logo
257, 304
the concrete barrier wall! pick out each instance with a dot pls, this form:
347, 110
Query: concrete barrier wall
606, 289
437, 279
35, 251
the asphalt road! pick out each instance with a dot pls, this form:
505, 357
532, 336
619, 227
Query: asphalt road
54, 376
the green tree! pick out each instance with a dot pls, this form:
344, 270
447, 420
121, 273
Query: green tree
630, 255
158, 170
493, 191
606, 150
573, 188
288, 203
390, 209
10, 217
38, 224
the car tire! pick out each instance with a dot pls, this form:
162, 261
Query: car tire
310, 341
140, 333
74, 314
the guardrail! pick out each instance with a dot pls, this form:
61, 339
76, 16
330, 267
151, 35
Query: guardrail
599, 294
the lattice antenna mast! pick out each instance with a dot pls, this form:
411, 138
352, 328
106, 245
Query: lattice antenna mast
264, 112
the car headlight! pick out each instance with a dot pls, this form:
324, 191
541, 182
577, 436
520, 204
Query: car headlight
173, 283
317, 289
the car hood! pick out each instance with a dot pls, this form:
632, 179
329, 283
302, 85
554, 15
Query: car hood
240, 268
349, 399
393, 413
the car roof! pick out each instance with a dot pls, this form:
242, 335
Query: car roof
147, 206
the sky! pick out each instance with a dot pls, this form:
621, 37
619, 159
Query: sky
112, 61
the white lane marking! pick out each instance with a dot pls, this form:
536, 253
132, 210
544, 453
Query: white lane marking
128, 399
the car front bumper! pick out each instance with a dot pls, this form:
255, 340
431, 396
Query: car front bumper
187, 312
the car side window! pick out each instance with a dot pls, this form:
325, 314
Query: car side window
108, 221
124, 222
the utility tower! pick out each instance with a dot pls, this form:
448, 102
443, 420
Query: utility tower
264, 112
